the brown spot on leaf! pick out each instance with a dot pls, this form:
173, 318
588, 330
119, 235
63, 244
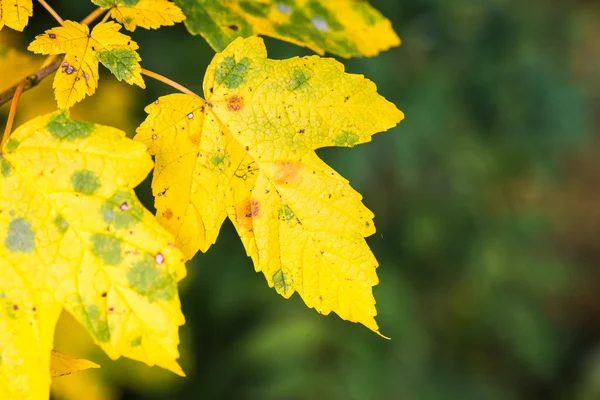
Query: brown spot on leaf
254, 208
235, 103
233, 27
168, 213
288, 173
52, 36
243, 215
195, 139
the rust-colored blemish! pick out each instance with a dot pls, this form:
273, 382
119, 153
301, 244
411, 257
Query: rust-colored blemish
254, 208
235, 103
243, 214
195, 139
168, 213
288, 173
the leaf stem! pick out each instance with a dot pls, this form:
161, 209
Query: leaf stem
51, 11
93, 16
168, 81
11, 114
105, 18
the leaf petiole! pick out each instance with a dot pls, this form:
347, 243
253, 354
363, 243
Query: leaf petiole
105, 18
11, 114
168, 81
93, 16
51, 11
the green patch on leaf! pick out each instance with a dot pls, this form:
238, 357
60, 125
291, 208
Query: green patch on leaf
286, 214
61, 224
121, 61
136, 341
20, 237
212, 19
370, 15
217, 159
85, 181
320, 13
231, 73
346, 139
256, 9
298, 79
4, 167
107, 249
149, 279
122, 210
12, 144
282, 283
96, 323
63, 128
11, 310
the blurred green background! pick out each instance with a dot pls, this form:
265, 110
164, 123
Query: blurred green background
487, 203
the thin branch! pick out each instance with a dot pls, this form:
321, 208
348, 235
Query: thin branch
93, 16
31, 81
168, 81
51, 11
12, 113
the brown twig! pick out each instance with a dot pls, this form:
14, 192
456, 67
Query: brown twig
12, 113
31, 81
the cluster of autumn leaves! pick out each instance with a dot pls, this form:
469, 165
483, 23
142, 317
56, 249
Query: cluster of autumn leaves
73, 234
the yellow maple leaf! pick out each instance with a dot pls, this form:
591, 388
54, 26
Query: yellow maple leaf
15, 13
63, 364
348, 28
74, 235
78, 75
149, 14
247, 152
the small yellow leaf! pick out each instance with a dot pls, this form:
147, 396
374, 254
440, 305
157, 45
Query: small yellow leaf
149, 14
247, 153
348, 28
15, 13
64, 364
74, 235
78, 74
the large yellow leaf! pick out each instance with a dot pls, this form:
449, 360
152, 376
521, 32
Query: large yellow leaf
78, 75
347, 28
74, 235
149, 14
15, 13
247, 152
63, 364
